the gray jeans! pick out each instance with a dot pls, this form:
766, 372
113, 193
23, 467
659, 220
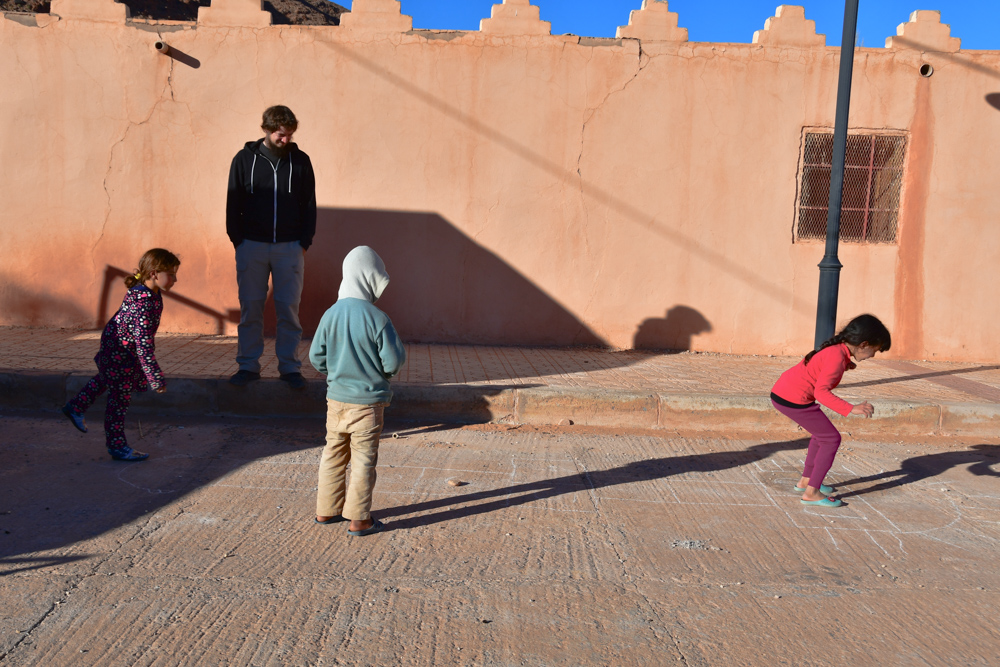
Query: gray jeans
285, 264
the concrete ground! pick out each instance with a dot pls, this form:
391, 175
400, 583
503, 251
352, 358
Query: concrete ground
564, 546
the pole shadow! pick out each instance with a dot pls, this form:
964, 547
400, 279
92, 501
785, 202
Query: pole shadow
529, 492
983, 459
174, 53
921, 376
673, 332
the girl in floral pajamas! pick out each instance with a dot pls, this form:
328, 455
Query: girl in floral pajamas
126, 361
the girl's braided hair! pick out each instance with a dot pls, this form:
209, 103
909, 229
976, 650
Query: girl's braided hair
862, 329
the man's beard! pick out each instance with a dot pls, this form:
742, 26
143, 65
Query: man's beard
280, 151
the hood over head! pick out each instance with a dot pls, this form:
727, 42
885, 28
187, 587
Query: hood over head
364, 275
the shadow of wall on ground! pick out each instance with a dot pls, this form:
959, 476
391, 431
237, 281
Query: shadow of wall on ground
445, 287
57, 490
673, 332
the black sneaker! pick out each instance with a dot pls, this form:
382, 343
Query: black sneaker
242, 378
294, 380
75, 417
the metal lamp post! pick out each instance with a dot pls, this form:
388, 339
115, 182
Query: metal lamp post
829, 267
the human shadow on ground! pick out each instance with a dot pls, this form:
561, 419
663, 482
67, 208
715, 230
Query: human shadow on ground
444, 509
984, 460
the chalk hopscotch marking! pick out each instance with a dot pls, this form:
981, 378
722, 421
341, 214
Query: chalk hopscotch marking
668, 486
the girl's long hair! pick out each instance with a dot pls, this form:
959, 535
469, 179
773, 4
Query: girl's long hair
151, 262
862, 329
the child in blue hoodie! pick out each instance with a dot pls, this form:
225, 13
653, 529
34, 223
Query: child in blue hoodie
358, 350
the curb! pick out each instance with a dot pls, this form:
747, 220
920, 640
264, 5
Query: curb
516, 404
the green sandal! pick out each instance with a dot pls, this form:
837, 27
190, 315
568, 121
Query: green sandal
823, 488
826, 502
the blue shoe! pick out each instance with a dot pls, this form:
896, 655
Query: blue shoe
75, 417
826, 502
127, 454
823, 488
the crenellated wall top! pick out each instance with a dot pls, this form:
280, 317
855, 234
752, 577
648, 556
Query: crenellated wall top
925, 32
652, 21
789, 27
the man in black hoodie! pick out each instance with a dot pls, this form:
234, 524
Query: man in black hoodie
271, 220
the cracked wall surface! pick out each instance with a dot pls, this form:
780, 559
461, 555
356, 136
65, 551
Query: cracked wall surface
530, 189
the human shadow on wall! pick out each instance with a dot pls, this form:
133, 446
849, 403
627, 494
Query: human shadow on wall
114, 275
983, 460
445, 287
673, 332
530, 492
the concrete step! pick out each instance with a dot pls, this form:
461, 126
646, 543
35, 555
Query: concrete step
517, 404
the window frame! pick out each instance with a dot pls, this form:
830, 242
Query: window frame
873, 134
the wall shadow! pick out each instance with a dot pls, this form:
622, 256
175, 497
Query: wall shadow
983, 460
993, 99
445, 287
24, 307
673, 332
444, 509
590, 190
113, 274
62, 488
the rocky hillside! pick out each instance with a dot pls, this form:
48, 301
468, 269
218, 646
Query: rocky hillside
284, 12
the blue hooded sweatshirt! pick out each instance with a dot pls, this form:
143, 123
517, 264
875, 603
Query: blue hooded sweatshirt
356, 346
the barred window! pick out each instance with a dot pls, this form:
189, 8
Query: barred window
873, 178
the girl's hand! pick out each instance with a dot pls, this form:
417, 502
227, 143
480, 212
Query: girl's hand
864, 408
161, 390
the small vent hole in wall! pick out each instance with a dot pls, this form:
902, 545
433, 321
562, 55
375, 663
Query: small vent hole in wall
926, 70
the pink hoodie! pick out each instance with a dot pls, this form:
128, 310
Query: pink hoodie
803, 384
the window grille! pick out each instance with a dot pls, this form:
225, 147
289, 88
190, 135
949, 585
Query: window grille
873, 178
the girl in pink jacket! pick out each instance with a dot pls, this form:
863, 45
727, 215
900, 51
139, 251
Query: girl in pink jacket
797, 391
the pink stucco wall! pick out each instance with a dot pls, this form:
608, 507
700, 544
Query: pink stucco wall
523, 188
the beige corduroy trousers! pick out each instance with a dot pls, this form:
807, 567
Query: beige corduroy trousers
352, 435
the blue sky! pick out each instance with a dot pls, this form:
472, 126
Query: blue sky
975, 22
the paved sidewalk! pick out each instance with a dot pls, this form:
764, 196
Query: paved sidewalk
476, 384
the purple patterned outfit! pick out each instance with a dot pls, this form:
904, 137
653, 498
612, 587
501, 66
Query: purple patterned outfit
125, 363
